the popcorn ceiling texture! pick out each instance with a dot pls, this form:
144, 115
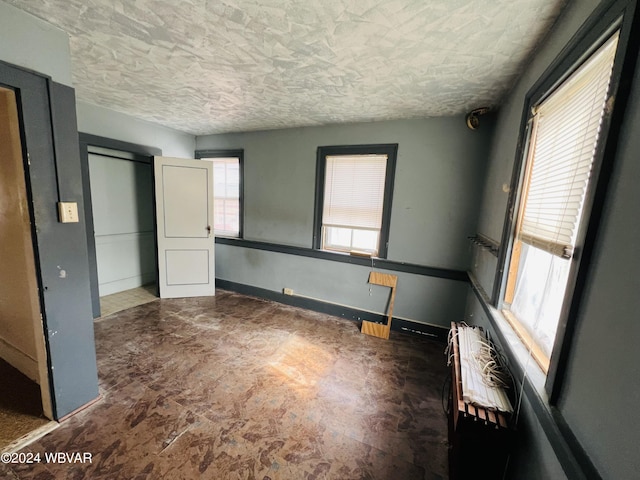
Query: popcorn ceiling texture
204, 66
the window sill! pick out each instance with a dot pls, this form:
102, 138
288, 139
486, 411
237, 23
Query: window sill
530, 381
352, 253
521, 363
519, 354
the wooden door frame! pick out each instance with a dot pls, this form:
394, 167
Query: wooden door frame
26, 234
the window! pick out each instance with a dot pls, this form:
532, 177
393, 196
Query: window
353, 198
227, 190
564, 131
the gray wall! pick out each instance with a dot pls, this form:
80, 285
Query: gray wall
600, 388
122, 204
31, 43
438, 181
119, 126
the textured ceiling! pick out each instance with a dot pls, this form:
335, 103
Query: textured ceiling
205, 66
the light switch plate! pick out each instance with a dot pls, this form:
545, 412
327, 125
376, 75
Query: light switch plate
68, 212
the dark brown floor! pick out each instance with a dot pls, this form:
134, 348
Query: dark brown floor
20, 405
237, 387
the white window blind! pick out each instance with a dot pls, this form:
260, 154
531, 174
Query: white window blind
354, 191
565, 136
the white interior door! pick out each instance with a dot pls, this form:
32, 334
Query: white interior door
184, 212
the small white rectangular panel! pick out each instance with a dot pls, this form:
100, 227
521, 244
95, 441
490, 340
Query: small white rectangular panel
185, 198
187, 267
68, 212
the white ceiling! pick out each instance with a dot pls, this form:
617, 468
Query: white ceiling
206, 66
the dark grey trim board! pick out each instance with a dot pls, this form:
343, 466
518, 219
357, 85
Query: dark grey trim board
397, 325
88, 221
381, 263
218, 153
43, 76
572, 457
104, 142
70, 315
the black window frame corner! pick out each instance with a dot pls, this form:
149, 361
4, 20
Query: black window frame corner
388, 149
229, 152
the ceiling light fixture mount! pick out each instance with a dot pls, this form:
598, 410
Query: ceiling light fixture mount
473, 120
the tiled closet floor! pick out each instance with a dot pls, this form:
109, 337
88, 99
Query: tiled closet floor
116, 302
237, 387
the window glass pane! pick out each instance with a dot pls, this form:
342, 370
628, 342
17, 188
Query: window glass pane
347, 239
233, 180
226, 191
232, 216
337, 237
365, 240
540, 288
219, 180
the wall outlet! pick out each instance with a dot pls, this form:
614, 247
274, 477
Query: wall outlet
287, 291
68, 212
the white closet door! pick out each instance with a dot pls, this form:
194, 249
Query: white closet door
184, 212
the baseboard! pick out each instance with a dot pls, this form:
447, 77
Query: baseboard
126, 284
19, 360
401, 325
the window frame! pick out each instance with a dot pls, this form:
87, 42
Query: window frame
618, 15
391, 151
223, 153
513, 271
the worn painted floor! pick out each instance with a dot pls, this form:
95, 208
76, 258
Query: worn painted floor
237, 387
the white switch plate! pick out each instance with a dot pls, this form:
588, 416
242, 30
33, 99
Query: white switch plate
68, 212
